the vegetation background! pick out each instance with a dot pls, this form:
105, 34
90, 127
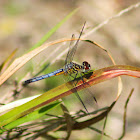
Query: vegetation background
23, 23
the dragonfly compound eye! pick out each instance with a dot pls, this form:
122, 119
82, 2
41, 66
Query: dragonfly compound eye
86, 65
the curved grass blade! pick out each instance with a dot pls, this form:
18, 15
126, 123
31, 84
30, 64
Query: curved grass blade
63, 90
19, 62
16, 103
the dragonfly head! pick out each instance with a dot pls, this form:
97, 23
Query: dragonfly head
86, 66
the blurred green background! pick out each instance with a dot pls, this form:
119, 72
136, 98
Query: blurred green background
23, 23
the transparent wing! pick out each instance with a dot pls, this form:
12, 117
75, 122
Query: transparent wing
74, 83
91, 98
73, 48
67, 60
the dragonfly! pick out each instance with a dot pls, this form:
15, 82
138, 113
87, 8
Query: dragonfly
70, 68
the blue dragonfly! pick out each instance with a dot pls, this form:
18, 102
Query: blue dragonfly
70, 68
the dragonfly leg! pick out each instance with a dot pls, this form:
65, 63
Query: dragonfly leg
84, 83
76, 93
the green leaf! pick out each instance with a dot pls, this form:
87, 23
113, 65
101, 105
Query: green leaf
30, 117
66, 89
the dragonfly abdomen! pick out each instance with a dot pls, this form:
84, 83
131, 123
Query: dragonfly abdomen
55, 73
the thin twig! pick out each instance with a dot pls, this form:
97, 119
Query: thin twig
124, 116
122, 12
100, 132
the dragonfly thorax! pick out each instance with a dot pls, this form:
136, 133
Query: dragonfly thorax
72, 68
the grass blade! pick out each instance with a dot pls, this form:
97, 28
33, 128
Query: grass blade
19, 62
63, 90
30, 117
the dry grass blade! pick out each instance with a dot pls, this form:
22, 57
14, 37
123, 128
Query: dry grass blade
113, 61
125, 111
5, 64
69, 120
100, 132
122, 12
19, 62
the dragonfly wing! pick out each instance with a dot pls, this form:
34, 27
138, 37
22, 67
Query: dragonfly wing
74, 83
84, 85
68, 57
73, 50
